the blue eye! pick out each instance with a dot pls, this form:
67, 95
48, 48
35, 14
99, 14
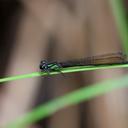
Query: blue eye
43, 62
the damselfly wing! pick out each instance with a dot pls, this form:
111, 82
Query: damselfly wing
105, 59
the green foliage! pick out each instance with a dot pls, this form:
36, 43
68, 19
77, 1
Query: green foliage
73, 98
121, 21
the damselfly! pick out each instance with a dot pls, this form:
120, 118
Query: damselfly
105, 59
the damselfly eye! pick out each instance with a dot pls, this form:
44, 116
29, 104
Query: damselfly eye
43, 62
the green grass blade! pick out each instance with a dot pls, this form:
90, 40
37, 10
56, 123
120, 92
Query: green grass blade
121, 21
73, 98
64, 70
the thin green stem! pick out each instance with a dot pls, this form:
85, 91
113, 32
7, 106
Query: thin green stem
121, 21
73, 98
64, 70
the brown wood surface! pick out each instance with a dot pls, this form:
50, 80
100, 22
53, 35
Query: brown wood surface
79, 28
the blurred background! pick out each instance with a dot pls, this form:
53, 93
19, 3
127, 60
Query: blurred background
32, 30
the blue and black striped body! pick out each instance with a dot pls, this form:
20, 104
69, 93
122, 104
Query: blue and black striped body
48, 67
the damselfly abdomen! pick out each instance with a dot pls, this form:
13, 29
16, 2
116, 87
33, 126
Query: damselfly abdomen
105, 59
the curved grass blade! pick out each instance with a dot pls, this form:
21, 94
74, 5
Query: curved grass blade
121, 21
64, 70
83, 94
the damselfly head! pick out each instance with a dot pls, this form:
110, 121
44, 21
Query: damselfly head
43, 64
